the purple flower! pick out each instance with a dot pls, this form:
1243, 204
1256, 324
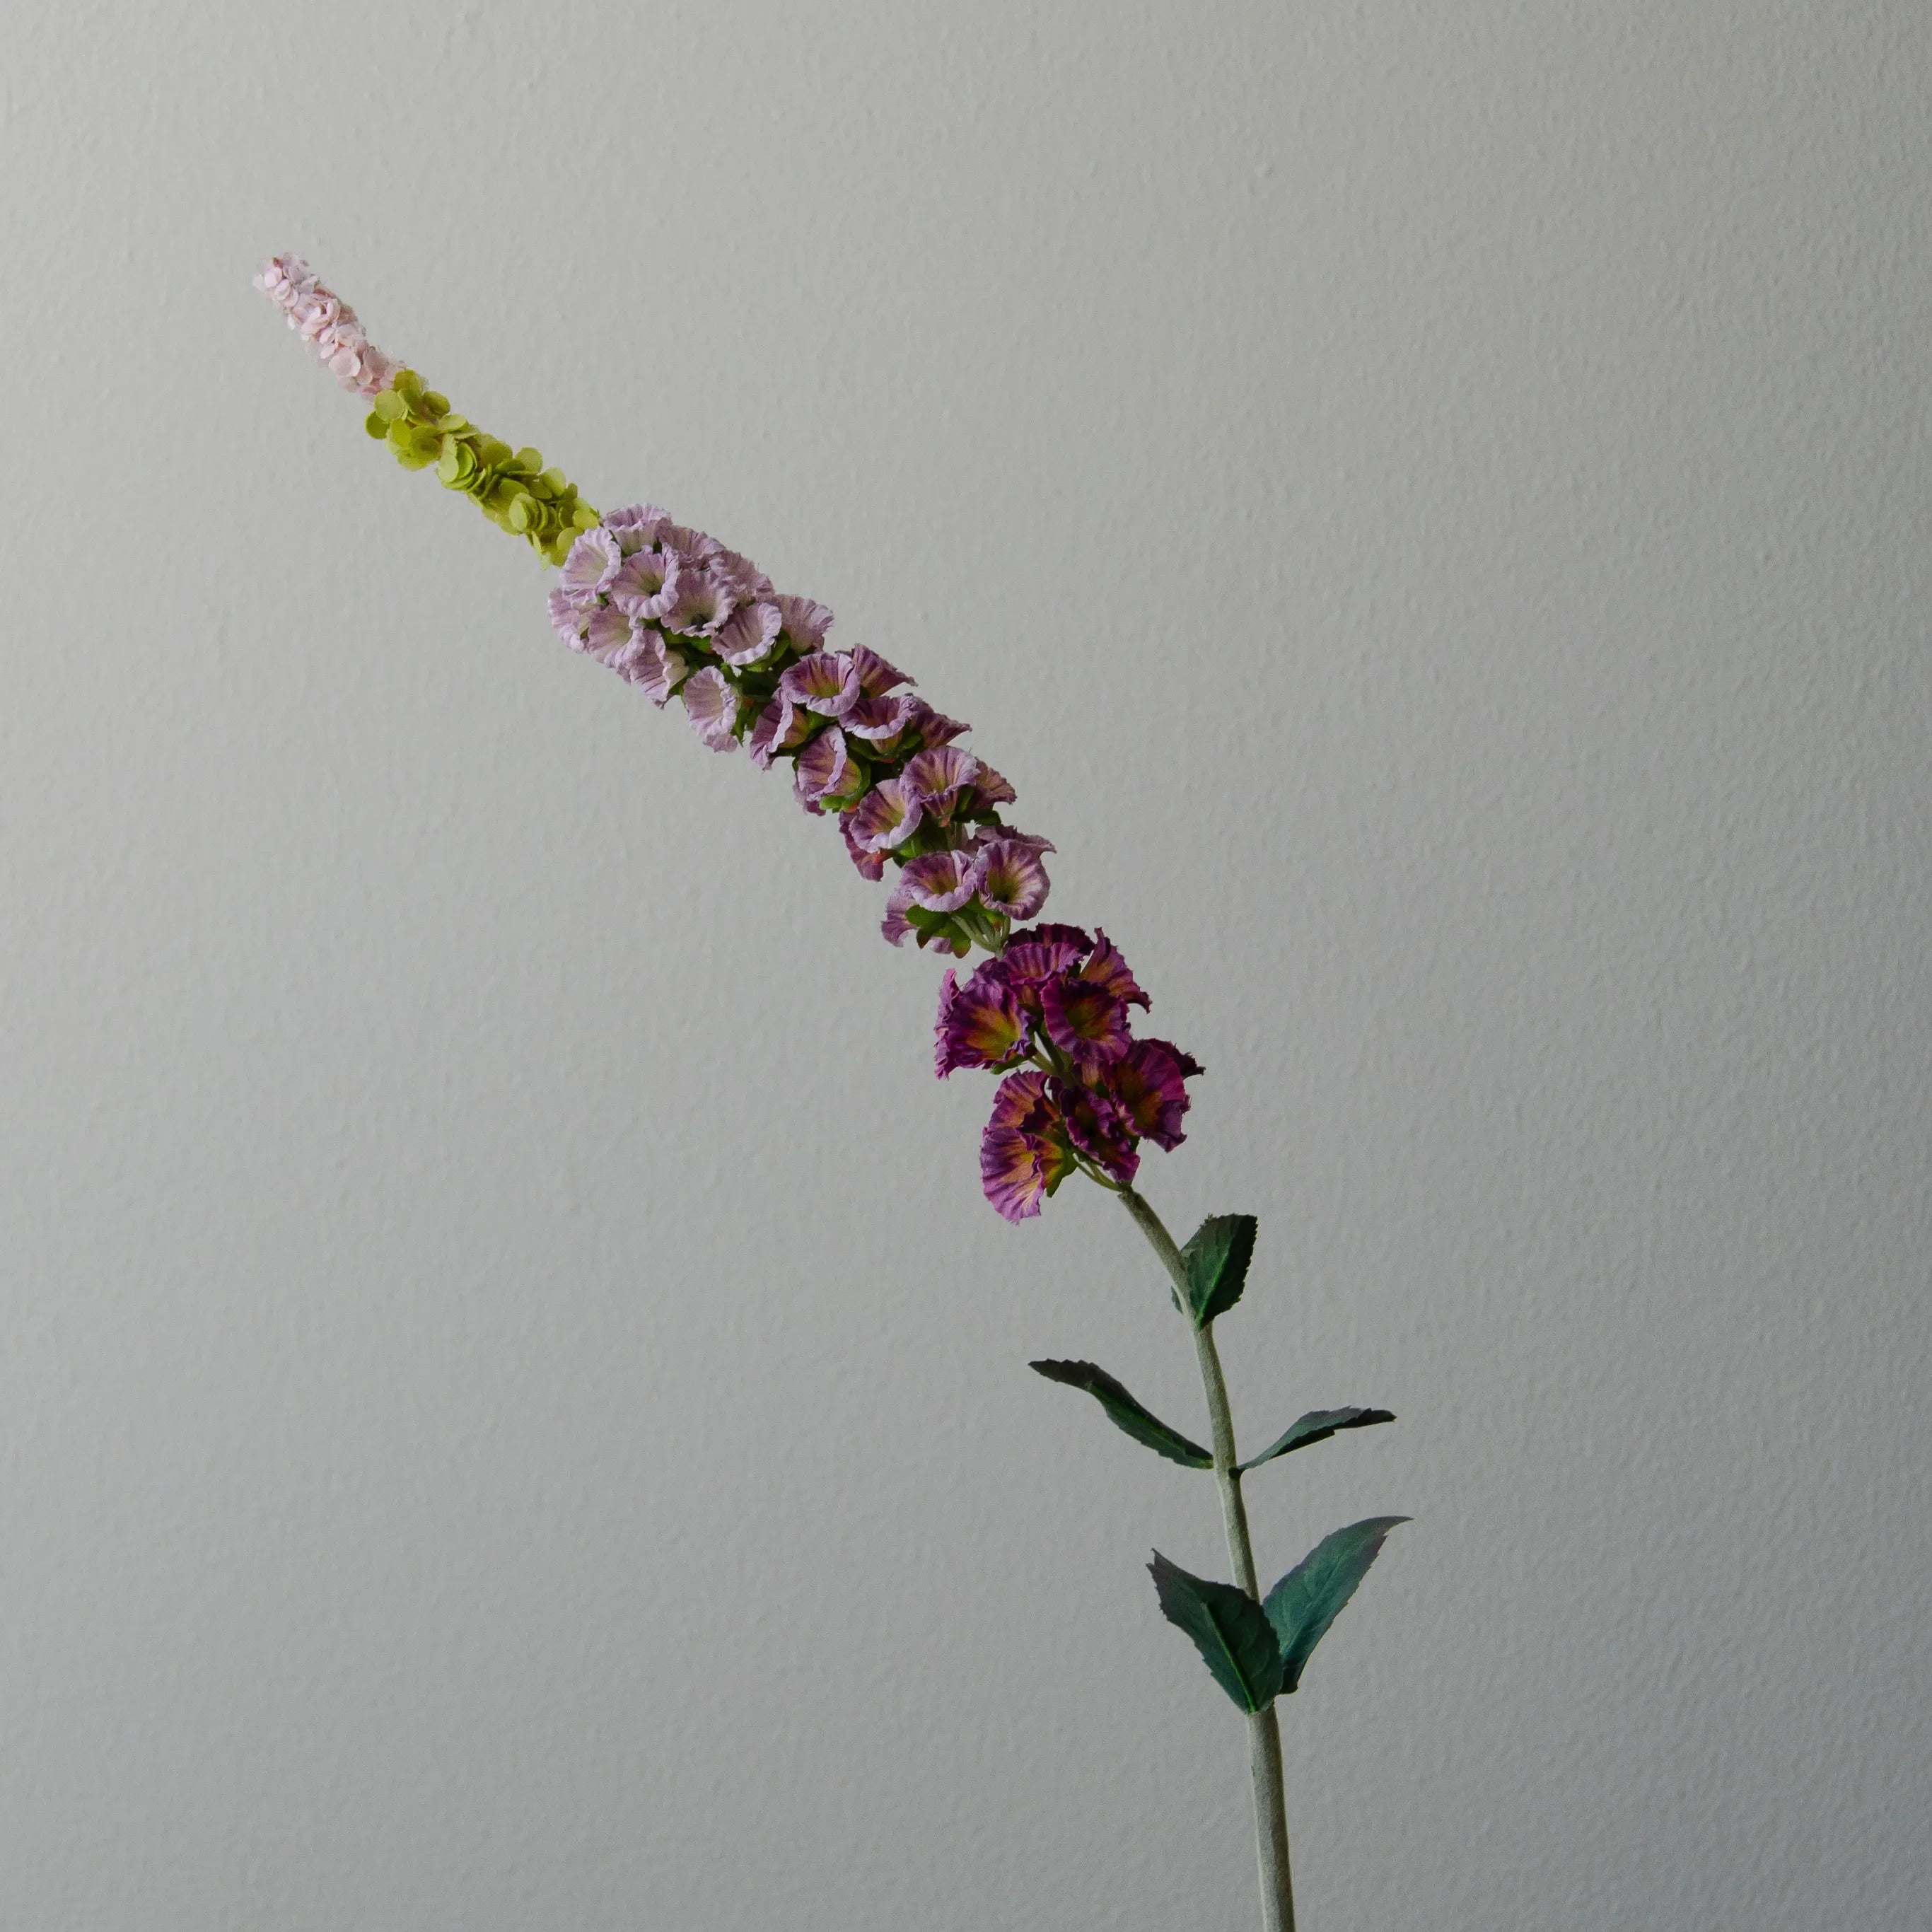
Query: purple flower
1009, 877
609, 636
885, 817
711, 704
980, 1023
826, 682
739, 574
646, 584
780, 728
825, 773
592, 567
568, 618
939, 882
1023, 1154
933, 727
871, 865
749, 633
702, 605
653, 666
876, 677
1085, 1021
805, 624
639, 526
1107, 968
1042, 953
881, 719
1098, 1127
1149, 1084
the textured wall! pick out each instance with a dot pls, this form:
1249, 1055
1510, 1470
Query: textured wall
514, 1409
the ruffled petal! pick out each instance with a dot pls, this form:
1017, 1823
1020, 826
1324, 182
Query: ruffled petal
1087, 1022
1107, 968
939, 881
879, 719
934, 777
592, 566
607, 636
980, 1023
711, 703
638, 526
804, 624
567, 617
1098, 1128
826, 682
871, 865
885, 817
654, 666
1010, 877
1150, 1085
876, 677
646, 584
702, 604
823, 771
749, 633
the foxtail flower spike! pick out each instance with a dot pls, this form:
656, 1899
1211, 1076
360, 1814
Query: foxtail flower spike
674, 612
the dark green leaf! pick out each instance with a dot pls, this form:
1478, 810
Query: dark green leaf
1235, 1640
1306, 1600
1317, 1426
1124, 1412
1217, 1258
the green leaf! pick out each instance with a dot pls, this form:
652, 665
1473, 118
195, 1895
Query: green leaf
1234, 1639
1302, 1606
1317, 1426
1125, 1413
1217, 1255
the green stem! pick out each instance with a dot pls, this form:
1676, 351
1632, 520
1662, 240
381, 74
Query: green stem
1263, 1728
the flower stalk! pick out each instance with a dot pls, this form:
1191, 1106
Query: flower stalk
1264, 1726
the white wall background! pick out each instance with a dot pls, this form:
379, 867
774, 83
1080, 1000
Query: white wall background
514, 1409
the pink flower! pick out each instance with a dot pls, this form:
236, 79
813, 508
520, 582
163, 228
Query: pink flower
1097, 1126
568, 618
1009, 877
804, 624
1107, 968
1150, 1085
653, 666
609, 636
712, 706
870, 864
638, 527
826, 682
779, 728
885, 817
702, 604
328, 325
592, 566
980, 1023
823, 772
939, 882
750, 633
1024, 1153
1086, 1021
646, 583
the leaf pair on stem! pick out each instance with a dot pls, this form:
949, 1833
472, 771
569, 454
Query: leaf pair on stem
1255, 1651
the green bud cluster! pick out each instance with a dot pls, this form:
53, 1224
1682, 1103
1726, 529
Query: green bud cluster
510, 486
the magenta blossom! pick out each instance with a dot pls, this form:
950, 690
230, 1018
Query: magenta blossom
1024, 1153
1062, 1000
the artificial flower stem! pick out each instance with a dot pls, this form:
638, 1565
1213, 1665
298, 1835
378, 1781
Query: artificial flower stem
1263, 1728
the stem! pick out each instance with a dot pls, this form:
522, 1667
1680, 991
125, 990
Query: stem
1263, 1728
